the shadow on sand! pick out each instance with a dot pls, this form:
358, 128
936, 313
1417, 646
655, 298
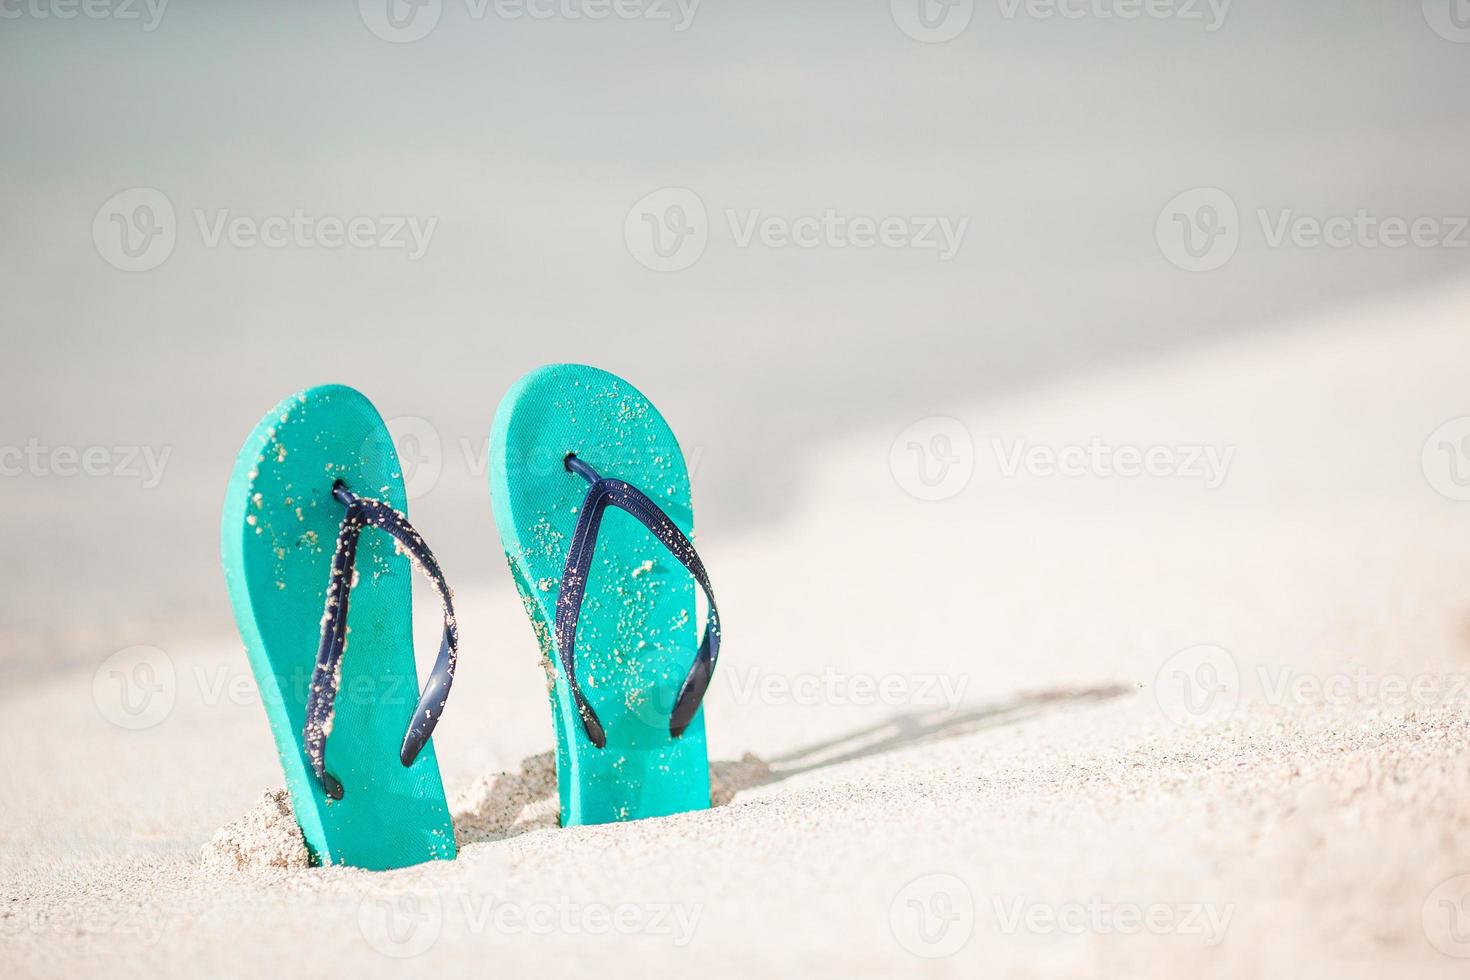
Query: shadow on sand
507, 804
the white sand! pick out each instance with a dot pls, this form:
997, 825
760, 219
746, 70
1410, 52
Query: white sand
265, 839
1301, 836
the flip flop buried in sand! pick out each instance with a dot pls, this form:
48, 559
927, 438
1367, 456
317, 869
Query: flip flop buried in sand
592, 500
317, 555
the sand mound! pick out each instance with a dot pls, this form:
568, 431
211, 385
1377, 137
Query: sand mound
494, 807
728, 778
502, 804
265, 838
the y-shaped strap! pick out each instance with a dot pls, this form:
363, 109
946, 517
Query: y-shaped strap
602, 494
320, 703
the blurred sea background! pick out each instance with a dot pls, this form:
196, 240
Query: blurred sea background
529, 141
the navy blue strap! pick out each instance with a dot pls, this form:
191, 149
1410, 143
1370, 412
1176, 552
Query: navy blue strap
604, 493
321, 701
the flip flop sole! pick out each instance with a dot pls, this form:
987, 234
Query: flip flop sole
278, 535
638, 630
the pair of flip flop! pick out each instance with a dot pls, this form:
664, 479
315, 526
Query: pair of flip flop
591, 496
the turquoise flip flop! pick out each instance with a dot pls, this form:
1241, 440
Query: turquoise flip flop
350, 728
591, 496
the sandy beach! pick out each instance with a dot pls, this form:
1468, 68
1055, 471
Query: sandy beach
1076, 411
950, 735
